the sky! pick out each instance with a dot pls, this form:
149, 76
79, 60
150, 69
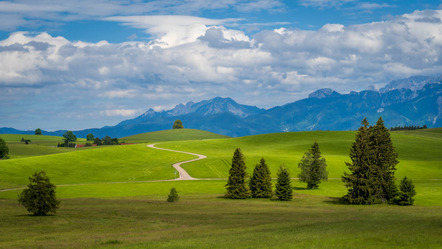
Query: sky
71, 65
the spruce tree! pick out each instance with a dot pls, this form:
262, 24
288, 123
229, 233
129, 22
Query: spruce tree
360, 182
313, 167
406, 192
261, 181
236, 186
173, 195
39, 197
384, 160
283, 191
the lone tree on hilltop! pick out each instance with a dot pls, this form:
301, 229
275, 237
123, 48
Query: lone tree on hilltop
90, 137
283, 190
178, 124
39, 197
236, 184
4, 149
173, 195
371, 179
261, 181
38, 131
313, 167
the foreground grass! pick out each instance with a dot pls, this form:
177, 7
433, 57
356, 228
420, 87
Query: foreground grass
207, 221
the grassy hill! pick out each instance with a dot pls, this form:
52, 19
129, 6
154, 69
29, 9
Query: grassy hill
171, 135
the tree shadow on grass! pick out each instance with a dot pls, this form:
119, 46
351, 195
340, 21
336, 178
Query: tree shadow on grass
336, 201
301, 188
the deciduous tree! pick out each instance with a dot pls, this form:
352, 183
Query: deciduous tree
178, 124
38, 131
173, 195
39, 197
90, 137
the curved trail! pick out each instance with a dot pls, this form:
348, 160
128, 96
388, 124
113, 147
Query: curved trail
183, 173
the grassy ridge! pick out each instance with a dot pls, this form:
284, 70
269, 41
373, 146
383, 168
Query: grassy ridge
172, 135
420, 155
107, 164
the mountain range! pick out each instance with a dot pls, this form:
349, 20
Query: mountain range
413, 101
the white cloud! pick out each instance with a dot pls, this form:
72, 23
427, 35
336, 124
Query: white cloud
119, 112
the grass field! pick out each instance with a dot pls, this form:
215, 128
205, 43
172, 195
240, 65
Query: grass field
171, 135
106, 204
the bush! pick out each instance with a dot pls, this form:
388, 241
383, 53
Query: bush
39, 197
173, 195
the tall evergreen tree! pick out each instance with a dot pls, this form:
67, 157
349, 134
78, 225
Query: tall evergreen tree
360, 182
283, 191
261, 181
313, 167
4, 149
384, 160
406, 193
237, 183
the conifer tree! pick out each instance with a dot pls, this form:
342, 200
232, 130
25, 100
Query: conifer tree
4, 149
39, 197
173, 195
360, 182
261, 181
283, 191
237, 187
313, 167
384, 160
406, 192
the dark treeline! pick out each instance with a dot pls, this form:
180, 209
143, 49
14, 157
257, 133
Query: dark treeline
403, 128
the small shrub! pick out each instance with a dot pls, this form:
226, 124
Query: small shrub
173, 195
406, 193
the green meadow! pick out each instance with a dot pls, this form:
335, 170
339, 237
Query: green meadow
111, 196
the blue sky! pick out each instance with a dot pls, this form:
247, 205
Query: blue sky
83, 64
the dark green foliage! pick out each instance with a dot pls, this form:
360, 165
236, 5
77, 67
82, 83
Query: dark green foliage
66, 144
406, 193
39, 197
374, 159
4, 149
38, 131
283, 191
384, 161
261, 182
90, 137
313, 167
26, 141
360, 182
178, 124
173, 195
69, 136
236, 185
98, 142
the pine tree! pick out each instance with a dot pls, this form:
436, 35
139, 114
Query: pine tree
283, 191
406, 192
236, 185
173, 195
4, 149
360, 182
39, 197
313, 167
261, 181
385, 161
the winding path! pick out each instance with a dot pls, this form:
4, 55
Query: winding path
183, 174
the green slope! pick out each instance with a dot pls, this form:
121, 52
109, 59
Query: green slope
172, 135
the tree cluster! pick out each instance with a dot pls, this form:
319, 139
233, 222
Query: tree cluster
37, 131
403, 128
260, 184
69, 139
106, 141
373, 162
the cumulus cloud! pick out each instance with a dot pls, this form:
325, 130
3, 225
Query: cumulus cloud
205, 59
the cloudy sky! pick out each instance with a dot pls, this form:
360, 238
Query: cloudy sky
68, 64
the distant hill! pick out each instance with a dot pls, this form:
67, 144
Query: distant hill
413, 101
172, 135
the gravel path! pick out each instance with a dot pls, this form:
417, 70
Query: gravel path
183, 174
